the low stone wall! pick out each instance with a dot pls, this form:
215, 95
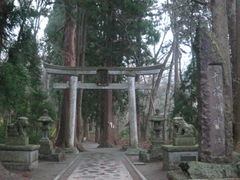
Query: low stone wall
174, 155
19, 157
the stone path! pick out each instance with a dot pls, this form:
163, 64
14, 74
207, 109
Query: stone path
97, 165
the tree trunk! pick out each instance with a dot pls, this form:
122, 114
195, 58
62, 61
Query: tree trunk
139, 111
138, 62
155, 89
97, 125
108, 125
108, 136
176, 59
97, 133
220, 29
236, 80
69, 60
86, 129
166, 122
3, 21
81, 36
175, 56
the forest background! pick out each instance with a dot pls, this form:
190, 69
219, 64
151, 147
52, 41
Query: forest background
124, 33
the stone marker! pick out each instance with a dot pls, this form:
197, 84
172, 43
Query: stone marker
215, 116
17, 153
216, 131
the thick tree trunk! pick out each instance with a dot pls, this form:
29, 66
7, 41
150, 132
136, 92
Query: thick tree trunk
236, 80
69, 60
81, 36
108, 136
108, 124
220, 29
231, 11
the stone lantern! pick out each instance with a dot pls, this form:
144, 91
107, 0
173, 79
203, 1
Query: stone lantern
157, 127
47, 151
157, 139
45, 120
155, 151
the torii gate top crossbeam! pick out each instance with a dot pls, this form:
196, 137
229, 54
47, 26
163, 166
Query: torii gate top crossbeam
55, 69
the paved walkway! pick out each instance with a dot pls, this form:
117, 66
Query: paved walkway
100, 164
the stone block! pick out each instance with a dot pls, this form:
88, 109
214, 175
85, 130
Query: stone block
184, 141
174, 155
19, 157
46, 147
20, 140
20, 166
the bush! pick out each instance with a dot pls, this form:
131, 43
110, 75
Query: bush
124, 134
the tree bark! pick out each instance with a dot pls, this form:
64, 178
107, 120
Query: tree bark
166, 122
176, 59
3, 21
175, 56
69, 60
81, 40
220, 29
108, 136
236, 80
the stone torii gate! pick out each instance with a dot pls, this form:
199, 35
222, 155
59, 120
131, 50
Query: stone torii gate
102, 74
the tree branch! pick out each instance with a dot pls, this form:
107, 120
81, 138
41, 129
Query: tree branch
200, 2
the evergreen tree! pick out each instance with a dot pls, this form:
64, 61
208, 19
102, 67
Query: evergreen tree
20, 70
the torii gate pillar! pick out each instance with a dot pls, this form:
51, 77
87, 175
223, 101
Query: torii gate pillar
132, 111
72, 110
